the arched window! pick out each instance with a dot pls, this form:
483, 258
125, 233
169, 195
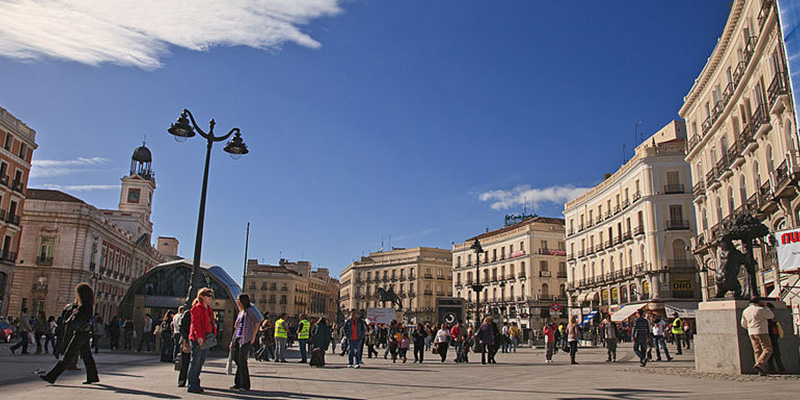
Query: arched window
469, 277
602, 266
704, 218
742, 190
511, 292
621, 258
562, 291
719, 210
545, 290
770, 160
623, 294
679, 250
494, 294
593, 271
611, 264
756, 175
584, 276
731, 201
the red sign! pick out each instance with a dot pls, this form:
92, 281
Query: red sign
555, 306
557, 252
518, 253
524, 315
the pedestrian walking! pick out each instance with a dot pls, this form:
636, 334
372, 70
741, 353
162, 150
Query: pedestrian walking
640, 331
458, 333
611, 334
372, 341
281, 336
186, 347
147, 334
514, 335
354, 330
573, 334
419, 336
39, 329
80, 323
549, 341
775, 334
320, 339
175, 328
442, 341
429, 334
659, 325
677, 332
403, 346
486, 340
302, 337
755, 318
114, 333
202, 336
127, 334
98, 332
50, 335
23, 330
505, 339
244, 335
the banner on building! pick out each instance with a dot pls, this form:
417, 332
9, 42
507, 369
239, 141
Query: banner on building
789, 13
788, 245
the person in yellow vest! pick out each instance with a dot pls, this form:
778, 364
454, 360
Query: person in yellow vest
677, 331
302, 337
281, 334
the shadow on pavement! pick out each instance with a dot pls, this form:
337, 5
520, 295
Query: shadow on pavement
128, 391
262, 394
632, 394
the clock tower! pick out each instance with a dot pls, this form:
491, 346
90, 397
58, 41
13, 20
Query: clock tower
138, 187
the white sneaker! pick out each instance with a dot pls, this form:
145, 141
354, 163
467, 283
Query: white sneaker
357, 366
349, 365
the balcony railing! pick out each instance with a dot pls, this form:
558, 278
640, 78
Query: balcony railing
677, 224
636, 195
562, 274
712, 175
16, 186
609, 243
760, 117
782, 174
627, 236
763, 14
4, 180
428, 292
673, 188
598, 248
778, 87
681, 264
13, 219
44, 260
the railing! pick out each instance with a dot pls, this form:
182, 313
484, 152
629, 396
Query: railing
521, 275
581, 253
627, 236
727, 93
693, 141
626, 203
766, 5
677, 224
746, 137
639, 230
673, 188
711, 175
609, 243
778, 87
617, 209
681, 264
428, 292
598, 248
618, 240
581, 282
44, 260
571, 232
628, 271
13, 219
618, 274
760, 117
609, 276
782, 174
750, 48
637, 195
561, 274
511, 277
600, 279
581, 228
16, 186
639, 269
4, 180
608, 214
706, 125
428, 276
764, 194
570, 256
590, 223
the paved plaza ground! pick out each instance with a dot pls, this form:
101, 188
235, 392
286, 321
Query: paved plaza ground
521, 375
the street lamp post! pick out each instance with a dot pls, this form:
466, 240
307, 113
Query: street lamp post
182, 130
477, 287
95, 277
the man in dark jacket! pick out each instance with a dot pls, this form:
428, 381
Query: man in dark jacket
186, 354
355, 329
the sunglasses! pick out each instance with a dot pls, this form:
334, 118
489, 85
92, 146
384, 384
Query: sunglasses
208, 295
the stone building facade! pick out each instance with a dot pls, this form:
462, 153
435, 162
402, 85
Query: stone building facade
66, 241
19, 142
628, 237
418, 276
523, 272
293, 288
742, 145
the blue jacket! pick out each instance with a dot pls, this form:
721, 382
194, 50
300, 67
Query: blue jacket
361, 328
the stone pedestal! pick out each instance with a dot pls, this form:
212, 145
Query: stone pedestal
723, 346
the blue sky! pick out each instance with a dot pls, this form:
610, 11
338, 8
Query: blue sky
424, 120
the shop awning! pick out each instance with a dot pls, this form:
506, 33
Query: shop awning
588, 317
593, 296
685, 309
788, 284
582, 297
626, 312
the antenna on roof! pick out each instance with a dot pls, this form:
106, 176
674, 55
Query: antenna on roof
636, 135
623, 153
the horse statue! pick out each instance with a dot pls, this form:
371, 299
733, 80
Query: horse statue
390, 296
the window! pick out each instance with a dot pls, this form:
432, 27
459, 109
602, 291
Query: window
46, 250
544, 244
543, 266
676, 213
8, 142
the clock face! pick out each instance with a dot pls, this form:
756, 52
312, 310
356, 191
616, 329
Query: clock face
133, 195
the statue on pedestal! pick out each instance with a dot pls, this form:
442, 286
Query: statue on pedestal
745, 228
390, 296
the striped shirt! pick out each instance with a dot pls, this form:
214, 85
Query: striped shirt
641, 328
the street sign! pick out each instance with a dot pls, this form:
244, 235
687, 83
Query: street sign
555, 306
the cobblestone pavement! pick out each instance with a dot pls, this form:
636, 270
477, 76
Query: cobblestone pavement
521, 375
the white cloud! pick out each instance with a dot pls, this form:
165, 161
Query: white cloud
51, 168
79, 188
521, 195
137, 32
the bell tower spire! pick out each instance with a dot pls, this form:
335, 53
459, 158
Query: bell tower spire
138, 187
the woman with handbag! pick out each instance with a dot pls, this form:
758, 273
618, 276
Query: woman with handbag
573, 334
486, 340
244, 334
441, 342
78, 344
202, 336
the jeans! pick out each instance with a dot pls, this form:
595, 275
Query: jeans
506, 344
427, 342
78, 345
303, 349
678, 339
660, 342
514, 344
354, 352
51, 339
611, 348
176, 345
241, 352
196, 365
147, 339
128, 340
419, 352
184, 368
23, 342
280, 349
457, 348
640, 348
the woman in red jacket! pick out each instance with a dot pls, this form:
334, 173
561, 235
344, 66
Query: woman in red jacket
202, 328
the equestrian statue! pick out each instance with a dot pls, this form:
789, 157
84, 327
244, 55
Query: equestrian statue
390, 296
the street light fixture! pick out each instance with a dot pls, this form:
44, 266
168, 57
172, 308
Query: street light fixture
477, 287
95, 277
183, 130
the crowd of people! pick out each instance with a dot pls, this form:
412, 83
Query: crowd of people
186, 336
